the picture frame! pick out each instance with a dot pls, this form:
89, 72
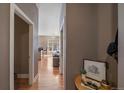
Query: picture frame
96, 70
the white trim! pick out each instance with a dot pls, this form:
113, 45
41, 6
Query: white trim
61, 26
61, 53
14, 9
21, 14
11, 46
64, 54
120, 89
22, 75
31, 55
36, 77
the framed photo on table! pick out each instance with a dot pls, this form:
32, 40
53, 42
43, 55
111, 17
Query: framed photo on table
96, 70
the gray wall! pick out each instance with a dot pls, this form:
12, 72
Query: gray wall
31, 11
4, 46
90, 28
121, 46
81, 38
107, 27
21, 58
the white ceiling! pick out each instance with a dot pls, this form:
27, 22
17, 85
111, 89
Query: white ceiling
49, 15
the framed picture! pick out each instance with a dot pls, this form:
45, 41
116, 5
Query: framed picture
95, 69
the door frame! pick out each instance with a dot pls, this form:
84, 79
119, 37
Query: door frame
61, 51
14, 9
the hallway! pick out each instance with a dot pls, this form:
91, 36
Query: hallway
49, 77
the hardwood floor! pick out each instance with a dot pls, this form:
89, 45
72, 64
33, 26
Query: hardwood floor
49, 77
21, 84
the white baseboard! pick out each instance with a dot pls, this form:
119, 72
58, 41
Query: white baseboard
22, 76
120, 88
27, 76
35, 78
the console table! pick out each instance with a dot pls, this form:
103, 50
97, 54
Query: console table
80, 86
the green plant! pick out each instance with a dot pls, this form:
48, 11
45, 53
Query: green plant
83, 71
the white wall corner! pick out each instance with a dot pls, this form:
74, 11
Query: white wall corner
38, 5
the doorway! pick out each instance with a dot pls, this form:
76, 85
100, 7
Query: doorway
21, 52
50, 75
16, 12
49, 65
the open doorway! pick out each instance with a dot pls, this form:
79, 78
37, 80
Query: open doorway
17, 20
49, 65
21, 52
50, 72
